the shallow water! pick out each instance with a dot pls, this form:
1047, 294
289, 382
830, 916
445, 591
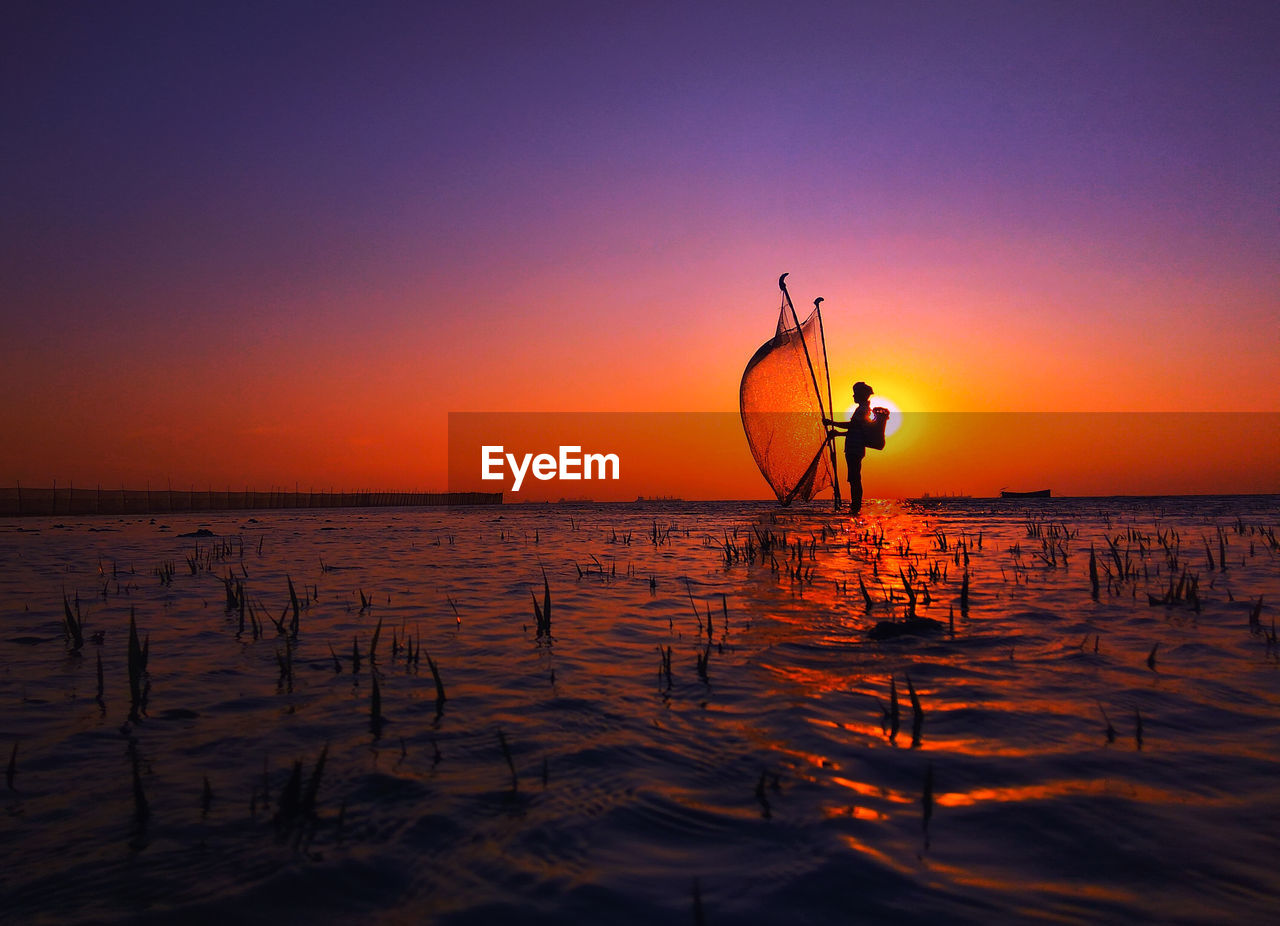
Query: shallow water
765, 784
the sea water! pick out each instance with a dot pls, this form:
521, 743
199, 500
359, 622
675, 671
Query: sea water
706, 726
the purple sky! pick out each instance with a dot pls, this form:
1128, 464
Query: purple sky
566, 205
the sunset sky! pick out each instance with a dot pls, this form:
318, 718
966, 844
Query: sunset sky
278, 243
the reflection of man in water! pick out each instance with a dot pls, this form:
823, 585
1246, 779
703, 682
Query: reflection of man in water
864, 429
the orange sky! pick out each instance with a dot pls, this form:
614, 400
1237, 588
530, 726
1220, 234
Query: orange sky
701, 455
229, 263
344, 406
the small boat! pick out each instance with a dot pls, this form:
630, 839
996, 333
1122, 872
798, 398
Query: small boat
1038, 493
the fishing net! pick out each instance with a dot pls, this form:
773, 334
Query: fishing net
782, 410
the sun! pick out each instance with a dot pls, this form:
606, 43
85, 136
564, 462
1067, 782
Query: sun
881, 401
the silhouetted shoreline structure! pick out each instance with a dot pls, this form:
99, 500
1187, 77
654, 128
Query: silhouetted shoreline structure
23, 502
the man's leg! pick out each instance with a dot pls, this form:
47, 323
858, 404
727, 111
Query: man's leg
855, 487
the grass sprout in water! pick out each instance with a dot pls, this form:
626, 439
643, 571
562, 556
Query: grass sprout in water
1090, 735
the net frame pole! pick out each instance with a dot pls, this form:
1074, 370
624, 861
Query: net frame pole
831, 405
813, 377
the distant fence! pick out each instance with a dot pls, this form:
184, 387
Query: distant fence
73, 501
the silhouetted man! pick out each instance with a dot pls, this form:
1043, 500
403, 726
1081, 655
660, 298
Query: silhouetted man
864, 429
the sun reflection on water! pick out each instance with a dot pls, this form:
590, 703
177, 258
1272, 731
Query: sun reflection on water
742, 712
